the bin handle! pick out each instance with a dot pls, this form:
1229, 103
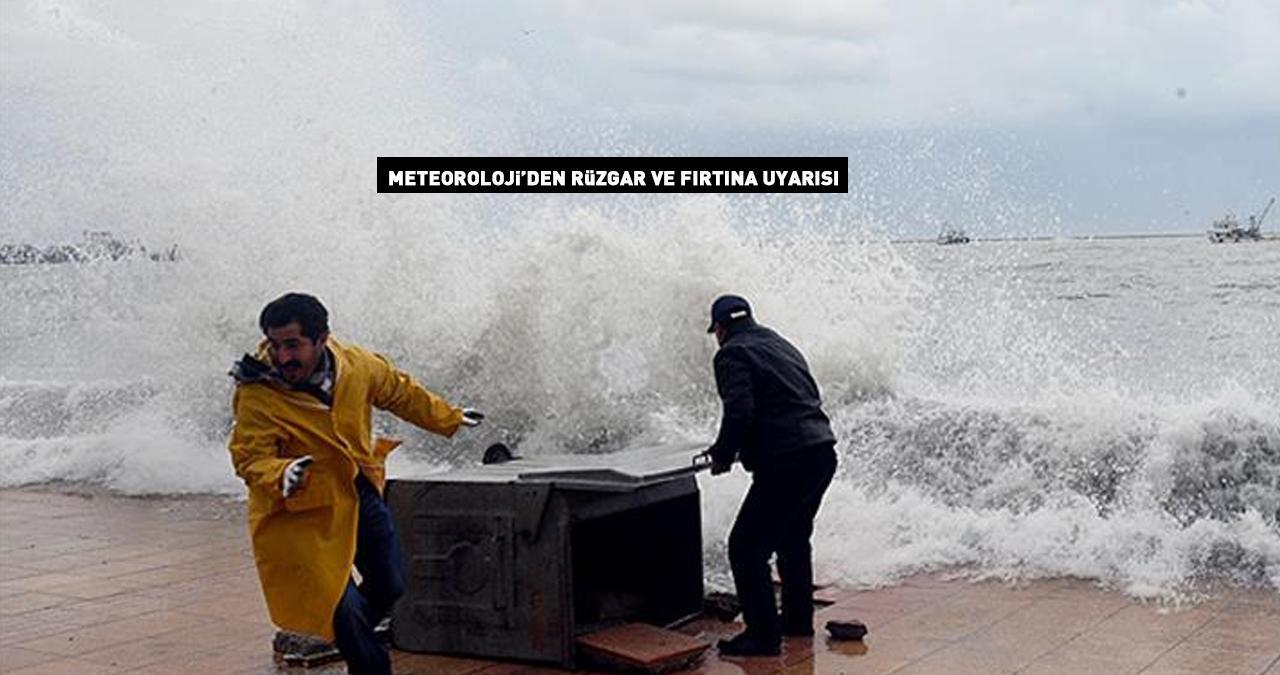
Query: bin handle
702, 460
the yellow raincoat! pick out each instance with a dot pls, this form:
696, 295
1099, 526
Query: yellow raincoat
305, 545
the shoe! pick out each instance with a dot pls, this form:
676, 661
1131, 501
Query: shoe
847, 630
296, 649
748, 645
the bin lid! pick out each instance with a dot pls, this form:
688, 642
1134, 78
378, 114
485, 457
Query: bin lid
621, 471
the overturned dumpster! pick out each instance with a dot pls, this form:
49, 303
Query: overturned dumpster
516, 560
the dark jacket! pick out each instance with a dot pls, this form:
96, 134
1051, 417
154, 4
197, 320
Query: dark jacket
771, 403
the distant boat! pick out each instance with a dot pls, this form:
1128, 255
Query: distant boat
1228, 229
952, 236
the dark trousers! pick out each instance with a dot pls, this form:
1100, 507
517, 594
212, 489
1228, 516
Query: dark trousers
777, 517
382, 581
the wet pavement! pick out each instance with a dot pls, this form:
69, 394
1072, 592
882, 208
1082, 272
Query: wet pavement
108, 584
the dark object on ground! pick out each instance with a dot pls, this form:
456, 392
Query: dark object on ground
308, 651
640, 648
498, 453
748, 645
847, 630
722, 606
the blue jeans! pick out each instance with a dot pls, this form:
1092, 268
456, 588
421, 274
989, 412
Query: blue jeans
383, 578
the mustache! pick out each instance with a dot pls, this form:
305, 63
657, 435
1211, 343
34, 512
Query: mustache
291, 364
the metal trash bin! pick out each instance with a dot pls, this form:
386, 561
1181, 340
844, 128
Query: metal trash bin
515, 560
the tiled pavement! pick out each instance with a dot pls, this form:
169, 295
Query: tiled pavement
107, 584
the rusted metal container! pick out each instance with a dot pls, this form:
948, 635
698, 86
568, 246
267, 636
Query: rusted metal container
515, 560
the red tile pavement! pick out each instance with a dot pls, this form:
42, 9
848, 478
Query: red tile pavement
95, 583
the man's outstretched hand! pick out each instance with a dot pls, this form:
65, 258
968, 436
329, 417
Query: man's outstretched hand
471, 417
295, 475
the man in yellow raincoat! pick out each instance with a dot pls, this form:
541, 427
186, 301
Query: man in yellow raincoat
303, 445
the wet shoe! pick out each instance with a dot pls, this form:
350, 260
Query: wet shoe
296, 649
747, 645
847, 630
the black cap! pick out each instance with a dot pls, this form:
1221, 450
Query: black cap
727, 309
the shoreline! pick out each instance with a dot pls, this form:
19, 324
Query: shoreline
1117, 236
92, 581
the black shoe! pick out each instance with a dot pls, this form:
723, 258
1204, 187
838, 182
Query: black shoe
747, 645
296, 649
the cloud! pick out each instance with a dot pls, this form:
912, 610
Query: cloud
722, 55
935, 62
838, 19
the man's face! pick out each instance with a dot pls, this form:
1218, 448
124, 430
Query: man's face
293, 353
721, 335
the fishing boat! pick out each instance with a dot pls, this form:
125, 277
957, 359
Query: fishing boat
953, 236
1228, 229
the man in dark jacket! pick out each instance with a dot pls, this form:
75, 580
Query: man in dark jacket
773, 423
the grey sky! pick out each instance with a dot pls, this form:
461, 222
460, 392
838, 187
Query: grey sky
1005, 118
853, 65
1011, 117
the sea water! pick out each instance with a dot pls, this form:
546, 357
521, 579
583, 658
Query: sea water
1106, 409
